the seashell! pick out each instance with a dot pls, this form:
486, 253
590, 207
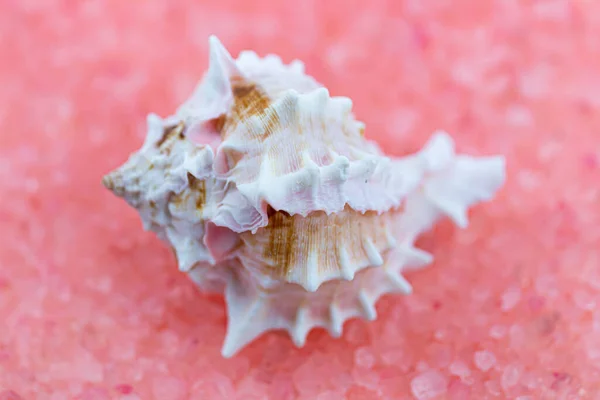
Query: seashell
269, 193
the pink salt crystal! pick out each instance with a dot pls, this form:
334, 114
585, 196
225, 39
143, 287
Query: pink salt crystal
510, 376
510, 298
585, 300
440, 334
459, 368
517, 336
360, 393
356, 333
590, 161
547, 285
214, 385
9, 395
458, 391
493, 387
592, 347
422, 366
363, 357
133, 397
281, 387
397, 357
368, 379
536, 303
440, 354
560, 379
94, 394
166, 387
311, 378
328, 395
428, 385
124, 388
484, 360
497, 331
251, 389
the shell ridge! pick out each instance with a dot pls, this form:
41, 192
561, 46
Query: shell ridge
314, 186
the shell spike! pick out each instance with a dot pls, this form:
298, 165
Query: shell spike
297, 66
301, 325
155, 130
414, 258
336, 323
467, 181
372, 252
399, 283
242, 330
247, 315
346, 269
220, 61
312, 281
367, 306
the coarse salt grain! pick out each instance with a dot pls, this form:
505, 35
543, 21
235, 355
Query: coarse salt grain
167, 387
484, 360
510, 299
459, 368
493, 387
9, 395
363, 357
510, 376
497, 331
428, 385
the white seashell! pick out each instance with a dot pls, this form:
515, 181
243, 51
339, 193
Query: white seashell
268, 192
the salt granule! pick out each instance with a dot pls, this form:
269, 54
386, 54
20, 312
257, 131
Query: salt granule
497, 331
460, 369
363, 357
484, 360
510, 376
428, 385
493, 387
510, 298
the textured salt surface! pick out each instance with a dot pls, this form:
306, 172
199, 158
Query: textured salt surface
94, 308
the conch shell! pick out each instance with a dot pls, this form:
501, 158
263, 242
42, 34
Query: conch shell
269, 193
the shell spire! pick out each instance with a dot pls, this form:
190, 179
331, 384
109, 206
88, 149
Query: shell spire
268, 192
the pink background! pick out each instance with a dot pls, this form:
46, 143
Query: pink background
92, 307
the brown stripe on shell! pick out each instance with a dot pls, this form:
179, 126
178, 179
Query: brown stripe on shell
287, 241
171, 133
281, 248
196, 191
249, 100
